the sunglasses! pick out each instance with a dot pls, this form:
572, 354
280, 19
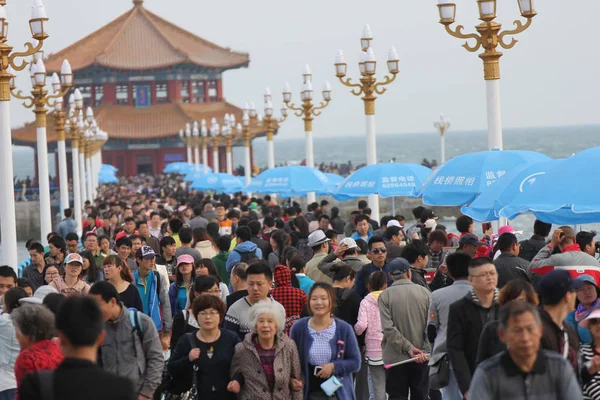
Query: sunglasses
383, 250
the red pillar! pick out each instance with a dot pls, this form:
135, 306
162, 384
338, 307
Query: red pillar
223, 158
110, 93
152, 92
206, 94
174, 88
219, 89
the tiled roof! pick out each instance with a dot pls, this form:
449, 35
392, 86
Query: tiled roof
158, 121
141, 40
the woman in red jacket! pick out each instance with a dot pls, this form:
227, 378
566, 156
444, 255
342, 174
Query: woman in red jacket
35, 332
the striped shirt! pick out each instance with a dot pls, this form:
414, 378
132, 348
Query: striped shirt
320, 351
591, 383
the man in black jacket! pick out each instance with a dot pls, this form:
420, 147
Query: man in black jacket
508, 264
81, 331
263, 245
532, 246
467, 318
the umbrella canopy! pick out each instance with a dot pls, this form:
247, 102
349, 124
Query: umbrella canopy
565, 194
386, 180
291, 180
220, 182
460, 180
177, 168
107, 178
108, 168
487, 206
194, 173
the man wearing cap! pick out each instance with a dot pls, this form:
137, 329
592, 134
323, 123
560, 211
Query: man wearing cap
523, 371
559, 291
346, 252
469, 243
403, 309
319, 243
467, 317
570, 255
416, 227
153, 292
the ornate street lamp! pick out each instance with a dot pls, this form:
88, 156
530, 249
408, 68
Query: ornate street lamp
489, 37
38, 101
368, 88
307, 111
271, 123
442, 125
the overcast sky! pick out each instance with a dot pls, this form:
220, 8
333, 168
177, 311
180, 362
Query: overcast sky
549, 78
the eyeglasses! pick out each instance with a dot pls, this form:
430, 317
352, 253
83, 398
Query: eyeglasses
382, 250
51, 273
485, 274
211, 314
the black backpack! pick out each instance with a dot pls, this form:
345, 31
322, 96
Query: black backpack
246, 256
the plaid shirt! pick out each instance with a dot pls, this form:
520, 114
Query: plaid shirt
436, 259
292, 299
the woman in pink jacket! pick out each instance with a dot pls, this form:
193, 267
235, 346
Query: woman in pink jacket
368, 319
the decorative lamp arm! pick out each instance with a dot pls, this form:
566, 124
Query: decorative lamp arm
519, 27
457, 33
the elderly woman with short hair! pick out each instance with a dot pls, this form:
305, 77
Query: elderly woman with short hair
266, 363
34, 329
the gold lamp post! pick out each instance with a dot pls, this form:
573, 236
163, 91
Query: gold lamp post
489, 37
247, 135
368, 88
231, 132
183, 135
307, 111
10, 62
38, 101
72, 128
271, 123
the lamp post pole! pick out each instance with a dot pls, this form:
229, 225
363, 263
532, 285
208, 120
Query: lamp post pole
37, 101
195, 140
59, 119
442, 125
215, 133
367, 88
307, 111
489, 37
72, 128
272, 123
231, 131
188, 146
9, 63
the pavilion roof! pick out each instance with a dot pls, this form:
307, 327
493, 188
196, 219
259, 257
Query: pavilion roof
157, 121
141, 40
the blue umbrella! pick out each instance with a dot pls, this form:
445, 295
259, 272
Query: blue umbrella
565, 194
220, 182
195, 173
386, 180
487, 206
292, 180
107, 178
108, 168
177, 168
460, 180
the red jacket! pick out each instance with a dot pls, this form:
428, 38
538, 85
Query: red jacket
292, 299
42, 355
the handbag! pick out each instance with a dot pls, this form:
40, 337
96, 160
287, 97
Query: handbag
439, 373
331, 385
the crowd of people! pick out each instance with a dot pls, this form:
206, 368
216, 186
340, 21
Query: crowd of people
170, 294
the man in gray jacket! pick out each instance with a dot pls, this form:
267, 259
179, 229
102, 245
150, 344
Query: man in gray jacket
346, 252
131, 348
403, 310
570, 255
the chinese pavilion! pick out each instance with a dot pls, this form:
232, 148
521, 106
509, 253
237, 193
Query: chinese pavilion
145, 79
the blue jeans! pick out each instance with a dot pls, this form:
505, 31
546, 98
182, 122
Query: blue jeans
451, 392
8, 394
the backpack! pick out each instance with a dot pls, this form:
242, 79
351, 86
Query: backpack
246, 256
304, 249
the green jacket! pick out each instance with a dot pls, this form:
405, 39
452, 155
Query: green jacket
220, 260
